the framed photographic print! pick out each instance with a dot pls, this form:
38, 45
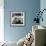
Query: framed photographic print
17, 18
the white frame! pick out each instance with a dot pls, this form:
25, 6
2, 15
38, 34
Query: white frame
23, 16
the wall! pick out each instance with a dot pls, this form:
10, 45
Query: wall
30, 7
1, 21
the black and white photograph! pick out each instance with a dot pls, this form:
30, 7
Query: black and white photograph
17, 18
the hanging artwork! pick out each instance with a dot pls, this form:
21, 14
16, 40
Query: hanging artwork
17, 18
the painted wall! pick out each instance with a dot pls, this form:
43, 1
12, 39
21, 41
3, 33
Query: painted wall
1, 21
30, 7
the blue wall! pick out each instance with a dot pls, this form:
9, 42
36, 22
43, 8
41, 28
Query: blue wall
30, 7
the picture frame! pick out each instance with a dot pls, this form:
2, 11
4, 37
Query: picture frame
17, 18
